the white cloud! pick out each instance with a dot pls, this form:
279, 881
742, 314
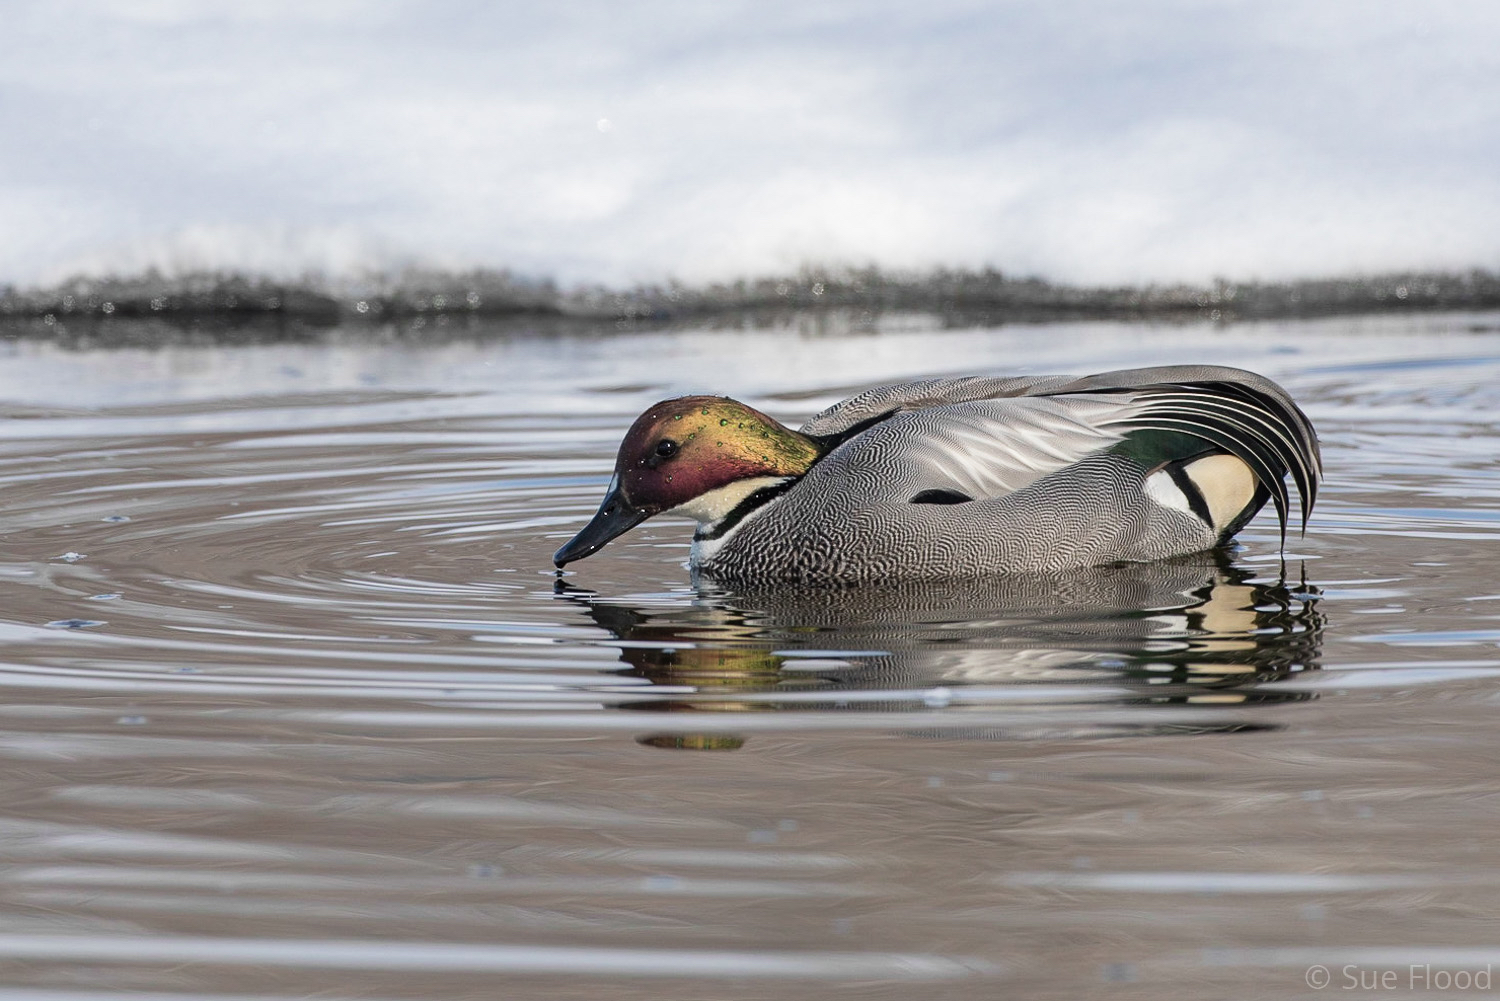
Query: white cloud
1085, 141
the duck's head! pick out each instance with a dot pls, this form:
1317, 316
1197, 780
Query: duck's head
700, 454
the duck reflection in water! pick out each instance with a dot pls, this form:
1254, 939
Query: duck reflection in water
1190, 631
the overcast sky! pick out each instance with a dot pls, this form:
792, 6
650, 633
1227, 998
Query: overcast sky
1094, 142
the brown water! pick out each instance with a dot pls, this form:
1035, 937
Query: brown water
294, 705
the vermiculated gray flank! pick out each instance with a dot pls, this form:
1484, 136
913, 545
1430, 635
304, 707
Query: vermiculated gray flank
979, 475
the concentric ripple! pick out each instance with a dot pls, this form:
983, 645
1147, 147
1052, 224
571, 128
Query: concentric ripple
294, 704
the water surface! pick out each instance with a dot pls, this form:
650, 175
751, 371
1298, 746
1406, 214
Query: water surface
295, 706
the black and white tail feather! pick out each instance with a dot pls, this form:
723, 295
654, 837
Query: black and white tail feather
1237, 412
1271, 436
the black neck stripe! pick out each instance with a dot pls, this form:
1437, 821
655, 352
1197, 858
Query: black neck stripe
744, 508
756, 500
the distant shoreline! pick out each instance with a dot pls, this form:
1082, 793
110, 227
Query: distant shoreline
210, 304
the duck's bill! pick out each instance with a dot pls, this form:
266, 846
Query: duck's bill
614, 518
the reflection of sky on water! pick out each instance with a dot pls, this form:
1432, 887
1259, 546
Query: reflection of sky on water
1084, 141
336, 712
492, 369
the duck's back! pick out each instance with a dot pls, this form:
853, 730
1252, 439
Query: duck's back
982, 475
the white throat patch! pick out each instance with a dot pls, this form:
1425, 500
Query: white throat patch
710, 508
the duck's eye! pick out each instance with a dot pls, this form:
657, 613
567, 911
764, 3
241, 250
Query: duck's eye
666, 448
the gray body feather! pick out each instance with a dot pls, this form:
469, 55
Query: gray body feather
1032, 473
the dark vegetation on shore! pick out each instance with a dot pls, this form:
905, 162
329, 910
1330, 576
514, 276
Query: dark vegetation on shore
215, 303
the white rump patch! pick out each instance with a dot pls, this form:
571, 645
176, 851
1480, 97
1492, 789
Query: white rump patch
1161, 489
